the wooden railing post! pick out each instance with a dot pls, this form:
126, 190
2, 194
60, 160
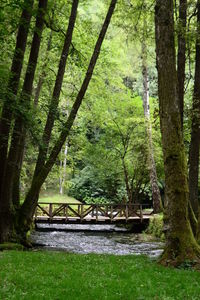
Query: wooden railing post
141, 213
50, 210
82, 210
96, 212
66, 212
79, 209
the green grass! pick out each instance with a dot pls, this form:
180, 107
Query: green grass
53, 275
56, 198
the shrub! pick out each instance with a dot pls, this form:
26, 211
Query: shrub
155, 227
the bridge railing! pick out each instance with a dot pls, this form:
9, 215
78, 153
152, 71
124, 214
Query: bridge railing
98, 212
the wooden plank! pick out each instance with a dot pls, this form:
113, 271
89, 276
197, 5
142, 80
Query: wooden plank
66, 212
59, 209
42, 209
50, 210
75, 212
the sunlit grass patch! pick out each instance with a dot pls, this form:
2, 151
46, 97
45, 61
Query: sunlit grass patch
53, 275
57, 198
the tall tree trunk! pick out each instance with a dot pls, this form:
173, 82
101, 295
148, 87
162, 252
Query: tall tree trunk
63, 167
180, 242
43, 72
43, 149
57, 89
129, 190
198, 229
181, 55
157, 204
18, 137
13, 83
30, 202
195, 128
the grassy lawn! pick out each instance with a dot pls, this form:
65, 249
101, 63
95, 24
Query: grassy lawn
56, 198
53, 275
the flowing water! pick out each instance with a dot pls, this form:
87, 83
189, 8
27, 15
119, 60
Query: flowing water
101, 239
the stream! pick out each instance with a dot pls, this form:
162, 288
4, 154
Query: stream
100, 239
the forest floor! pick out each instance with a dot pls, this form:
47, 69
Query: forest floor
60, 275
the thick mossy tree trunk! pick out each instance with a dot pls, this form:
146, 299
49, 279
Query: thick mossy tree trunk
198, 229
180, 242
30, 203
157, 203
13, 84
7, 211
195, 128
181, 58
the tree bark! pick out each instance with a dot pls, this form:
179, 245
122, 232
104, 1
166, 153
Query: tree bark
198, 229
181, 59
195, 127
157, 203
180, 242
19, 132
43, 73
13, 83
63, 165
129, 190
30, 202
57, 89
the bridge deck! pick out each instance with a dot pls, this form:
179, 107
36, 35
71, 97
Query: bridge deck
70, 213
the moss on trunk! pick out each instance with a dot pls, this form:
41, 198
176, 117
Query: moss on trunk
181, 244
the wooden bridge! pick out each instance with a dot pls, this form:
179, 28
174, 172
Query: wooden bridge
75, 213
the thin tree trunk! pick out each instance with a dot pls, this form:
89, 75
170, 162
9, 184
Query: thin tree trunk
19, 132
180, 242
129, 191
43, 149
13, 83
195, 128
57, 89
43, 73
63, 166
61, 175
181, 59
157, 204
30, 202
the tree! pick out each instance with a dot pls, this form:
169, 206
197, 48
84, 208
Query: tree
180, 242
195, 127
15, 223
13, 83
18, 136
157, 203
181, 59
30, 203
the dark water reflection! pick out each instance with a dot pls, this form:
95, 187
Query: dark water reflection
100, 239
